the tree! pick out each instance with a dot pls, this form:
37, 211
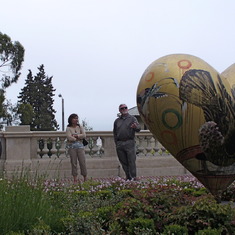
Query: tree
11, 60
38, 94
26, 114
86, 125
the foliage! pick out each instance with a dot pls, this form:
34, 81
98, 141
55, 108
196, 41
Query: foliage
35, 106
86, 125
203, 213
104, 194
32, 205
104, 216
140, 226
40, 228
82, 223
209, 231
175, 229
23, 203
8, 112
154, 202
229, 193
26, 114
11, 60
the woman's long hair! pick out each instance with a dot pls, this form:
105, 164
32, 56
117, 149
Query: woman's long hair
71, 116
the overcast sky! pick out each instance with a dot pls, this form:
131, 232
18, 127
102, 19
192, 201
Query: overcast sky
97, 50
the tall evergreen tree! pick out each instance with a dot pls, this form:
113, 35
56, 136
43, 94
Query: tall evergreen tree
38, 93
26, 114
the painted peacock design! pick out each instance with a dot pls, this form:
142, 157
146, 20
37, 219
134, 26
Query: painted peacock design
217, 134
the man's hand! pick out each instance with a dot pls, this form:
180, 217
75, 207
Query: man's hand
134, 125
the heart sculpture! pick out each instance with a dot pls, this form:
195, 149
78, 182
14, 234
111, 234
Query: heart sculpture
190, 108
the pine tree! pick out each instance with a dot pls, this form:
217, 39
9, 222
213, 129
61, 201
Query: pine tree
38, 93
26, 114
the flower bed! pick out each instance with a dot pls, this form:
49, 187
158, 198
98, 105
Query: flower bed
153, 205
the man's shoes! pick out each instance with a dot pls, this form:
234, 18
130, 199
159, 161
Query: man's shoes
132, 179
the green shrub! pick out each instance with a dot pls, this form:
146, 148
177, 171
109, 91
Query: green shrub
87, 224
87, 185
175, 229
210, 231
125, 192
151, 203
15, 233
200, 192
40, 228
204, 213
141, 226
82, 223
105, 213
115, 228
229, 193
197, 192
127, 210
81, 194
130, 208
115, 207
104, 194
104, 216
69, 223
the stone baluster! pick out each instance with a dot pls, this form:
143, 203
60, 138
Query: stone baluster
45, 149
156, 148
101, 151
163, 150
87, 149
63, 145
101, 146
95, 149
40, 146
149, 147
66, 149
60, 146
140, 148
53, 147
49, 146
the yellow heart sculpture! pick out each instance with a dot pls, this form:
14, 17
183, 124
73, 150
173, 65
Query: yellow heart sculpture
190, 108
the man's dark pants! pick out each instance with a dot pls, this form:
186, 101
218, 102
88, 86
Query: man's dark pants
126, 152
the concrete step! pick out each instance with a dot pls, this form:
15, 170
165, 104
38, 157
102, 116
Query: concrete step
96, 167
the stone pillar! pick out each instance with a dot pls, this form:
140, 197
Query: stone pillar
18, 143
109, 147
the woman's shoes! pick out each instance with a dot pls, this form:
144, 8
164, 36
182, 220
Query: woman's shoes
76, 180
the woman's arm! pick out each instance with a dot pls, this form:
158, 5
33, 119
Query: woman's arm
69, 135
82, 134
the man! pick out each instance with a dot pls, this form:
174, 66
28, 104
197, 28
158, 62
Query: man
124, 129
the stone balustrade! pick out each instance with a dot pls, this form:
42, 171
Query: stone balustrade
46, 152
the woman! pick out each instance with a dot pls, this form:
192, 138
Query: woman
75, 134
